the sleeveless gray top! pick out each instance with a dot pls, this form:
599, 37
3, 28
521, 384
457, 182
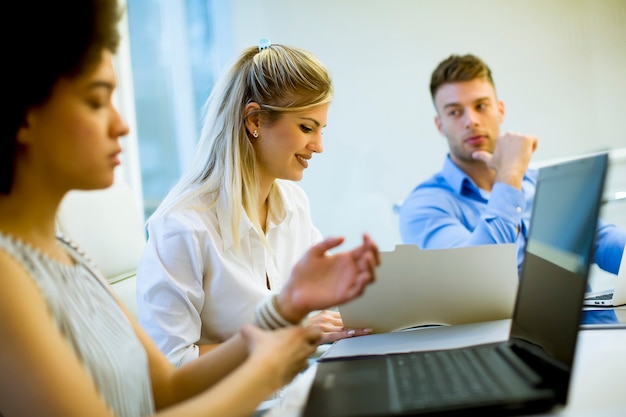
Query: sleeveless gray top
91, 320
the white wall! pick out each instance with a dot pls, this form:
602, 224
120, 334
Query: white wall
129, 171
559, 66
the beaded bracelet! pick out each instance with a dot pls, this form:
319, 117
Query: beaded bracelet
268, 317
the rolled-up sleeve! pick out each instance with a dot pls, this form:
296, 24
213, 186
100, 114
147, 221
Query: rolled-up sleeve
170, 292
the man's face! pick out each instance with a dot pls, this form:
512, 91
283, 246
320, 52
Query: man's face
469, 116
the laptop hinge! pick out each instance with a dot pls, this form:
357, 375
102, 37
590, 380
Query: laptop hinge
519, 365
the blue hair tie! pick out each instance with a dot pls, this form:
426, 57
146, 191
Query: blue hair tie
264, 43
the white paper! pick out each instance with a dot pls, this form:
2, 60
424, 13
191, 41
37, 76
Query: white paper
430, 338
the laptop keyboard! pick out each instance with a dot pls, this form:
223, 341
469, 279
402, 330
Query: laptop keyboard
443, 378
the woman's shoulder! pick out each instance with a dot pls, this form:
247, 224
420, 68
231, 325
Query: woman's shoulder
18, 253
10, 262
183, 219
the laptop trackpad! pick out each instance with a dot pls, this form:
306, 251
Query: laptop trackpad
353, 387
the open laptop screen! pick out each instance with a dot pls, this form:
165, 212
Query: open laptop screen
558, 253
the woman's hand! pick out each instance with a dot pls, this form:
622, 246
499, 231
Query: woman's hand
331, 325
283, 353
321, 280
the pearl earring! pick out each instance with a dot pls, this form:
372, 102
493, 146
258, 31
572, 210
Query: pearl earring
255, 133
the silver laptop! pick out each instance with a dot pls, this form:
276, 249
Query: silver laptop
614, 297
528, 373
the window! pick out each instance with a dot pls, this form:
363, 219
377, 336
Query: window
172, 60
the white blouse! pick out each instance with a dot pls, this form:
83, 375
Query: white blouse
195, 287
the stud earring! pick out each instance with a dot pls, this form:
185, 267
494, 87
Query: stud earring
255, 133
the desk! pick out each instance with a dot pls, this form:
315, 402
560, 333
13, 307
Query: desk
596, 387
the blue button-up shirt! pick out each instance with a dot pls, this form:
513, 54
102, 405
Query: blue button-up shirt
449, 210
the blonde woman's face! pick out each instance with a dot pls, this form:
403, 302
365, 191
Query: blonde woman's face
284, 149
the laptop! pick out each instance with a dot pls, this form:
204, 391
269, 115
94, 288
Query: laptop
614, 297
529, 372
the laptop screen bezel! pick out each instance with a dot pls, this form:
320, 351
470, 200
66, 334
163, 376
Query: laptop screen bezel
550, 296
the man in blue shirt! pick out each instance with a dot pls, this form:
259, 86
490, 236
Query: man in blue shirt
484, 193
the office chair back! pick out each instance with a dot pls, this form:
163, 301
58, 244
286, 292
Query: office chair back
108, 226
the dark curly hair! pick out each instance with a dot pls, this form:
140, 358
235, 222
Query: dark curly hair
45, 40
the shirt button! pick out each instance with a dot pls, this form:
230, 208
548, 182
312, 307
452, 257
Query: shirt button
518, 209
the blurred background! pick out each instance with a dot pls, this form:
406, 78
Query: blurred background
558, 66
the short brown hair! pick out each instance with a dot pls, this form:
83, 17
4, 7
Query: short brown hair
458, 68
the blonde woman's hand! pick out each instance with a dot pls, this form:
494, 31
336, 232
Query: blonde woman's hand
331, 325
321, 280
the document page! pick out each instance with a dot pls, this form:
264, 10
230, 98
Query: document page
419, 339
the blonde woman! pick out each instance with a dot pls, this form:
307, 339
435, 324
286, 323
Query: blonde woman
229, 232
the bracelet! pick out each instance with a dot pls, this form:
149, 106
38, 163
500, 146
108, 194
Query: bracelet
268, 317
